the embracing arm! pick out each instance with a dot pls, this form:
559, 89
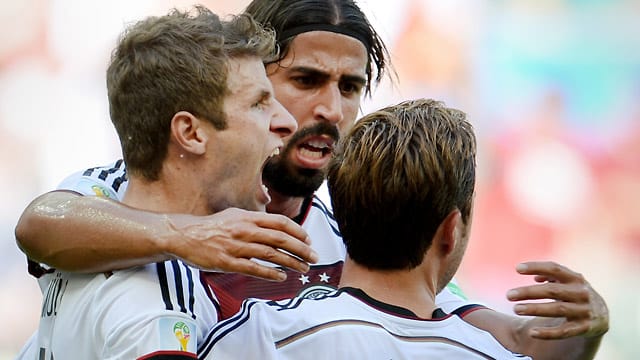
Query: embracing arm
569, 327
93, 234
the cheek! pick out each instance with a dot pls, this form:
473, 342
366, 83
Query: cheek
350, 113
297, 104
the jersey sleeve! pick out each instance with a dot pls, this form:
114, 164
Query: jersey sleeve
30, 349
247, 335
452, 298
160, 311
170, 335
108, 181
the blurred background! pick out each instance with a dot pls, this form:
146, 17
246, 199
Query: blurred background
551, 86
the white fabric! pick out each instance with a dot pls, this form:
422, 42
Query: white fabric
125, 314
340, 325
110, 181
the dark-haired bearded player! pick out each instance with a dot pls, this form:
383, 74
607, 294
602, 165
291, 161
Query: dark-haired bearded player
327, 63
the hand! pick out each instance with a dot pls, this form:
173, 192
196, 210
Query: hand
229, 239
580, 310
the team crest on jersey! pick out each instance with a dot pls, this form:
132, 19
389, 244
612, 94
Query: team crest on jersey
177, 334
315, 291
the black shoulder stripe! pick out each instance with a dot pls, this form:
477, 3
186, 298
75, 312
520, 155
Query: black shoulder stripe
177, 275
119, 180
464, 310
329, 216
178, 283
219, 330
192, 298
164, 286
105, 172
88, 172
320, 205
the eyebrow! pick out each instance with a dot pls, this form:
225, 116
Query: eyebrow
262, 94
321, 74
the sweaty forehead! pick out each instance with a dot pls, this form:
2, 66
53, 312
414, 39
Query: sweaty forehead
333, 53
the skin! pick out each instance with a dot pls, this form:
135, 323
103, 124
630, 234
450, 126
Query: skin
202, 174
415, 289
332, 59
320, 80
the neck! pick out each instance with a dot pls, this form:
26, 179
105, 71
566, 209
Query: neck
285, 205
410, 289
172, 193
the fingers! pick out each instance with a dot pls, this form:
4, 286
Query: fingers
272, 255
556, 291
563, 331
549, 270
280, 232
554, 309
576, 310
229, 239
284, 224
251, 268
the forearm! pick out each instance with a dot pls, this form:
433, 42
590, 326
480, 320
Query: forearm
514, 333
90, 234
571, 348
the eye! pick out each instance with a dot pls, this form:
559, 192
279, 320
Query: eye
264, 102
305, 81
350, 88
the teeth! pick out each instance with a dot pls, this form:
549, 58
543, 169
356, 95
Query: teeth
318, 144
265, 188
275, 152
311, 154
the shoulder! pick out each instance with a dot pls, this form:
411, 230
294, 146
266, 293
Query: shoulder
164, 303
165, 286
320, 216
453, 300
476, 340
268, 323
107, 181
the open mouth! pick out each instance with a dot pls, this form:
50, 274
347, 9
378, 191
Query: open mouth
264, 188
314, 152
317, 148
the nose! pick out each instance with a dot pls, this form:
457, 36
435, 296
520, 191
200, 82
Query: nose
282, 122
329, 104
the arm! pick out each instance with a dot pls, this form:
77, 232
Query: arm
94, 234
576, 320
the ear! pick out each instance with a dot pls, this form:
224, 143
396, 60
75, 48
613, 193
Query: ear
448, 233
188, 132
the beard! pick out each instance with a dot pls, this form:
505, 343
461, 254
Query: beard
280, 175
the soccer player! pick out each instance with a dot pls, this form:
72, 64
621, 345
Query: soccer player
330, 58
186, 91
402, 183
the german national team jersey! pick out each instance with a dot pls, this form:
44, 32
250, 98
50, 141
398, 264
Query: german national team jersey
231, 289
157, 311
345, 324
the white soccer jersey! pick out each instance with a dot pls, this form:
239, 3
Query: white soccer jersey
345, 324
157, 311
231, 289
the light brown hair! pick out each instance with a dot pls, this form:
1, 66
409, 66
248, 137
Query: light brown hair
177, 62
396, 176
